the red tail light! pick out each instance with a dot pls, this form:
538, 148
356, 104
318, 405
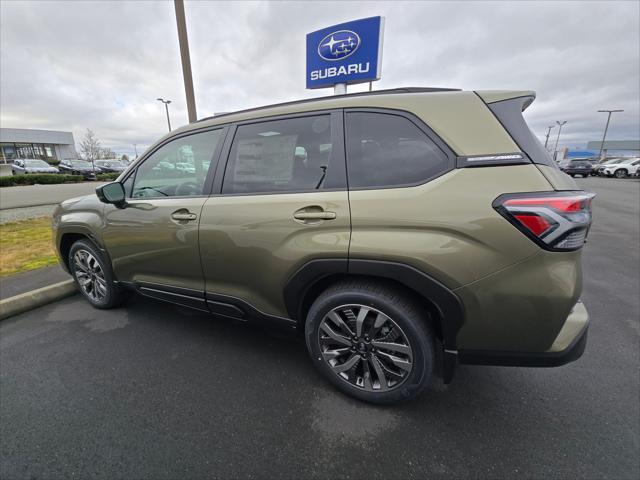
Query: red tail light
556, 221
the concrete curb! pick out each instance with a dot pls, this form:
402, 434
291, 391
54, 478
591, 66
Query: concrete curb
36, 298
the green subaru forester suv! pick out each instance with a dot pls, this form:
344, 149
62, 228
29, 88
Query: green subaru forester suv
401, 231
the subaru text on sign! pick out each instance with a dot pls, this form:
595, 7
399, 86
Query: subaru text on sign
347, 53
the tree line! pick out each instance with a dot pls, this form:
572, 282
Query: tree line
91, 149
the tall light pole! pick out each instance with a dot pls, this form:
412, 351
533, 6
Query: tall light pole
186, 60
166, 107
548, 133
561, 124
605, 129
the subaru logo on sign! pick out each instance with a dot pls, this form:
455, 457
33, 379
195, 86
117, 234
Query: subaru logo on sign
347, 53
338, 45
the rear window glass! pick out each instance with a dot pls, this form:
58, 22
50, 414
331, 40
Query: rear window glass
385, 150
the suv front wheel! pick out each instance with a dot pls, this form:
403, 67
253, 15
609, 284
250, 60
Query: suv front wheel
94, 276
372, 342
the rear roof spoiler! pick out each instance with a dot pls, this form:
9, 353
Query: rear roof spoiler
493, 96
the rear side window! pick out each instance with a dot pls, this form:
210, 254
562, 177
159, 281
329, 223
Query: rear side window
290, 155
509, 113
385, 150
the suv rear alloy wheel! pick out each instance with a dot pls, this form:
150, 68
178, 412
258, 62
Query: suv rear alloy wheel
370, 341
375, 355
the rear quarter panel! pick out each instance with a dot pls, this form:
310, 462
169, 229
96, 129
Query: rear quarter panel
447, 227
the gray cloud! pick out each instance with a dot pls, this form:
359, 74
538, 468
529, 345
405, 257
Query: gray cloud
101, 65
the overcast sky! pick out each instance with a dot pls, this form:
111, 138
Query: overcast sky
101, 65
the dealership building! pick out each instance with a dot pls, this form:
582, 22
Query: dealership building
50, 145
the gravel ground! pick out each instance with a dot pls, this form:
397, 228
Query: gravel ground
25, 213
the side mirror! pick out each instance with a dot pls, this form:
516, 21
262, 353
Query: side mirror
112, 193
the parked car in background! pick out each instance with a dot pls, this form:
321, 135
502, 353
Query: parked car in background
599, 167
79, 167
163, 167
29, 165
628, 167
185, 168
110, 166
579, 166
341, 217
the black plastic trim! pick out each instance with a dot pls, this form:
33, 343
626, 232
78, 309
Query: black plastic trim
448, 304
509, 113
185, 297
305, 277
217, 304
527, 359
227, 309
444, 300
248, 312
474, 161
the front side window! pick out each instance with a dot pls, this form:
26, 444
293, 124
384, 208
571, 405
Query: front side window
178, 168
280, 156
385, 150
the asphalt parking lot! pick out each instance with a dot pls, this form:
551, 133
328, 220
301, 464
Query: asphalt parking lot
157, 391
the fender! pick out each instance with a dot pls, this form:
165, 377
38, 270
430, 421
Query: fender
447, 303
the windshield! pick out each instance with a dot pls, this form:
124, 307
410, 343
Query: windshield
36, 163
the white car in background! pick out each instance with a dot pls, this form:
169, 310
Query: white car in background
623, 169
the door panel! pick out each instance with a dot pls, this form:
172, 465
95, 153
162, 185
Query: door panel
155, 238
251, 245
147, 245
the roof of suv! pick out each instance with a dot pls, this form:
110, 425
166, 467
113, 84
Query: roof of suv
459, 117
335, 97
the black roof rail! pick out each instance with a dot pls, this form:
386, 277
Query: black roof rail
320, 99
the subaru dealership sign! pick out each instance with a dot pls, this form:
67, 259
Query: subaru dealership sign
347, 53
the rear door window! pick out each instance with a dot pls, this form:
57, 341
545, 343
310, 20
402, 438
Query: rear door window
386, 150
290, 155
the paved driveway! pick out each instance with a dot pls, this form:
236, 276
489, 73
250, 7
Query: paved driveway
157, 391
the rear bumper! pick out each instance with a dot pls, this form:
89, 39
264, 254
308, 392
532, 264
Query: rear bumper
568, 346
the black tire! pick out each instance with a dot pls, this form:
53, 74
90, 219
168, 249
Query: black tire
622, 173
113, 295
398, 306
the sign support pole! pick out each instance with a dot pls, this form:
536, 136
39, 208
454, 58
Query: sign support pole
340, 89
186, 60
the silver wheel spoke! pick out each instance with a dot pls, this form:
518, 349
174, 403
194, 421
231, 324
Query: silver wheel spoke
337, 319
368, 384
397, 361
381, 319
348, 365
335, 336
382, 379
330, 354
394, 347
360, 320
